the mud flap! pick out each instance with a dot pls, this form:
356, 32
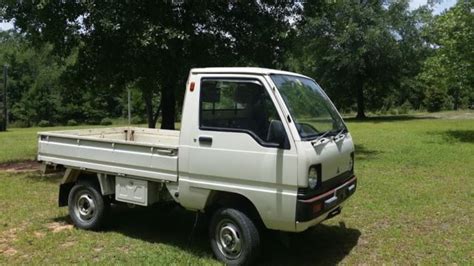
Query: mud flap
64, 190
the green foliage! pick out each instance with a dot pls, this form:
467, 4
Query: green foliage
106, 121
19, 124
374, 55
44, 123
153, 45
450, 70
39, 89
33, 79
137, 103
435, 100
350, 48
71, 122
92, 121
405, 108
137, 120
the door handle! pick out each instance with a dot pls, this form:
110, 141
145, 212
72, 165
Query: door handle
205, 140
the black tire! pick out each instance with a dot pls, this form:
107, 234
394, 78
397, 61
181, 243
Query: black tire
227, 228
87, 206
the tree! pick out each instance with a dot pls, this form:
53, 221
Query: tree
450, 70
38, 86
33, 78
413, 42
153, 44
350, 47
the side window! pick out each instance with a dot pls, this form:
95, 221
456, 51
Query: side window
239, 105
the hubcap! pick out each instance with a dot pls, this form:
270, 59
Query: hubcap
228, 239
85, 206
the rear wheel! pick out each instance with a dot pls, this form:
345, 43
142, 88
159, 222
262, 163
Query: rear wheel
87, 206
235, 239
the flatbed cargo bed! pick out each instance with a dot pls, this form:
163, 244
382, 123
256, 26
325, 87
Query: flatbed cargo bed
122, 151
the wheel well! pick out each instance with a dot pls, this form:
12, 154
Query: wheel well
89, 176
65, 188
222, 199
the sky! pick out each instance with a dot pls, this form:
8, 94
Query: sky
413, 5
445, 4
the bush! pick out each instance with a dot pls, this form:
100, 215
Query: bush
92, 122
19, 124
106, 121
394, 111
448, 103
435, 100
137, 120
71, 122
44, 123
405, 108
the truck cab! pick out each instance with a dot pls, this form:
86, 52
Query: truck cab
271, 136
256, 146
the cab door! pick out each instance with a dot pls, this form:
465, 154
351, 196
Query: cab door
240, 144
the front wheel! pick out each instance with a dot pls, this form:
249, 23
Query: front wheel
87, 206
235, 239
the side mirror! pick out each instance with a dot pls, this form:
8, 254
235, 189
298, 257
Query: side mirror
276, 136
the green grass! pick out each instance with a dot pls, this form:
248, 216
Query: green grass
414, 205
19, 144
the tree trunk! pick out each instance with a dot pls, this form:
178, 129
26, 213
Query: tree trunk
456, 99
168, 103
148, 98
360, 101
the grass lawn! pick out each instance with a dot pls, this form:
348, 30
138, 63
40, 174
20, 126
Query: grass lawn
414, 204
20, 144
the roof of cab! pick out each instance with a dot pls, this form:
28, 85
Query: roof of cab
242, 70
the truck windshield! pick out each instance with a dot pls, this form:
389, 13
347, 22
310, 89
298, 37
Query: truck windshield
310, 108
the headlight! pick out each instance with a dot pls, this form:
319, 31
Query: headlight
312, 177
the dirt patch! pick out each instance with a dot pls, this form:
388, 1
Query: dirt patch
68, 244
9, 252
25, 166
39, 234
8, 236
123, 249
59, 227
6, 239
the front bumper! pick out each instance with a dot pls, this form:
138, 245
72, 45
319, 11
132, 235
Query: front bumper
312, 211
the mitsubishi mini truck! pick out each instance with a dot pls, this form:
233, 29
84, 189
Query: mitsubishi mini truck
258, 148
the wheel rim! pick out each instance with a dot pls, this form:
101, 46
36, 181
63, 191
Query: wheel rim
228, 238
85, 207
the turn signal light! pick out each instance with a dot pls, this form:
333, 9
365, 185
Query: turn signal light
317, 207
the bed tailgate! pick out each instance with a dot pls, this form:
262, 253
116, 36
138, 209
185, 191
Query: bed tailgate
157, 162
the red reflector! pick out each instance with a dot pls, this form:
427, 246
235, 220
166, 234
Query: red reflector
317, 207
191, 86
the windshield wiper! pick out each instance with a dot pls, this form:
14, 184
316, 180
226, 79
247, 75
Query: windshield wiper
338, 135
320, 139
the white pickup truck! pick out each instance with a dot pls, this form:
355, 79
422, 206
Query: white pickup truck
256, 147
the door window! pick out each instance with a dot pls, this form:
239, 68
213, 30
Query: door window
240, 106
